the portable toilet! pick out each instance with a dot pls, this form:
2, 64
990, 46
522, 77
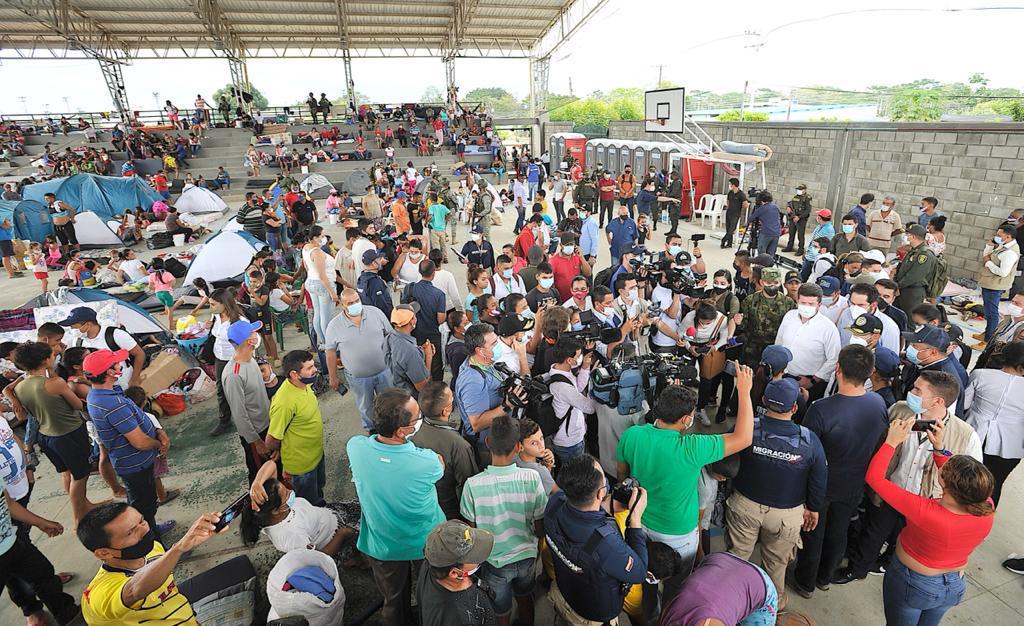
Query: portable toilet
655, 158
590, 153
556, 149
574, 144
611, 155
697, 176
640, 158
626, 154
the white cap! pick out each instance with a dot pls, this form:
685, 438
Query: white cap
874, 255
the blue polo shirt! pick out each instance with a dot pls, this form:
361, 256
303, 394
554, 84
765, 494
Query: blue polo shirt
431, 301
477, 390
623, 234
114, 415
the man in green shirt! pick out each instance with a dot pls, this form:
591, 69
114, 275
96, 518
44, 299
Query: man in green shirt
645, 451
296, 428
438, 222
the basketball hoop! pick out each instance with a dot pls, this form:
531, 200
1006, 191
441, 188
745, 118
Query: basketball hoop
660, 121
665, 110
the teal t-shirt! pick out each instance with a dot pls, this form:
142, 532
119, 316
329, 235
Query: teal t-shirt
438, 216
667, 463
396, 492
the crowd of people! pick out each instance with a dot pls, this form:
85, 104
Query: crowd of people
518, 435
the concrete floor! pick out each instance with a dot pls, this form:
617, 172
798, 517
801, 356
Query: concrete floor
211, 474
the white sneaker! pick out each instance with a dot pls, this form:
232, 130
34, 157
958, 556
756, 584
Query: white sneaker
704, 419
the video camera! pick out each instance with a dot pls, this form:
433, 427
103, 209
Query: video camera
659, 367
533, 389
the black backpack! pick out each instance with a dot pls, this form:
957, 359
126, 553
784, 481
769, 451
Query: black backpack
175, 267
543, 411
160, 240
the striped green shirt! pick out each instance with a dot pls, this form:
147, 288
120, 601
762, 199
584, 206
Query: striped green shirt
506, 500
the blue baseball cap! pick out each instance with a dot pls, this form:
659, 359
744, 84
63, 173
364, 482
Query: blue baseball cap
780, 395
241, 330
929, 335
776, 357
401, 194
887, 362
78, 315
829, 285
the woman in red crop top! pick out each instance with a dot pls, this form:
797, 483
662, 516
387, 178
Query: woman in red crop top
926, 578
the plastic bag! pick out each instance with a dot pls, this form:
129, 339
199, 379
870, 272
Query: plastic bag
182, 323
291, 603
171, 402
202, 389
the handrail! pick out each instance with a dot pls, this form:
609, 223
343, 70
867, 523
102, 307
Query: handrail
158, 117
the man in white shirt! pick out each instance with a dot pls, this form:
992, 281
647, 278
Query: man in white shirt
863, 299
832, 302
361, 245
93, 335
814, 341
569, 397
510, 348
519, 194
505, 280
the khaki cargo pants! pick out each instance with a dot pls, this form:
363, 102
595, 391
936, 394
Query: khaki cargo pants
776, 531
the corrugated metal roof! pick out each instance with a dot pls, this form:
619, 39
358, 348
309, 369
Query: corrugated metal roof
147, 25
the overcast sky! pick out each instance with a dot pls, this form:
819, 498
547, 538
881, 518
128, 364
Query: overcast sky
849, 44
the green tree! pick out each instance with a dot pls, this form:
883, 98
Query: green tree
259, 101
747, 116
432, 94
590, 112
500, 100
628, 108
915, 105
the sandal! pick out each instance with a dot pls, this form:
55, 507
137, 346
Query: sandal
170, 495
65, 577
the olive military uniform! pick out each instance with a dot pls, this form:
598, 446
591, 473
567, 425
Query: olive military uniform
762, 316
798, 215
913, 276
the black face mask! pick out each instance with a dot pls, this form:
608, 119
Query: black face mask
140, 549
771, 291
720, 289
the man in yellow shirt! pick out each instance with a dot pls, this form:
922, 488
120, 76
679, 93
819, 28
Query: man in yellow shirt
297, 428
135, 583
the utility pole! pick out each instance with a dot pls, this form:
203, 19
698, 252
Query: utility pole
789, 107
743, 103
570, 87
660, 68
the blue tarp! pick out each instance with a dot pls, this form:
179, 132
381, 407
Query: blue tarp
31, 219
107, 196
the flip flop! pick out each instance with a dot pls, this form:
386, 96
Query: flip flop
170, 495
65, 577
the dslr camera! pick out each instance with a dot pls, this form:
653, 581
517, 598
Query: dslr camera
623, 492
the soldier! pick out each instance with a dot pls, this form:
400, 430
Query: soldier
482, 209
585, 195
798, 211
915, 271
763, 312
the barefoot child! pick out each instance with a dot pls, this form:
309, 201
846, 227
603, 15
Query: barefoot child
162, 282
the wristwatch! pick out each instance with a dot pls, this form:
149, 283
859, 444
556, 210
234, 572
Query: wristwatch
943, 452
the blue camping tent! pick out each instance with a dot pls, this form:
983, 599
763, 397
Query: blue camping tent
30, 218
107, 196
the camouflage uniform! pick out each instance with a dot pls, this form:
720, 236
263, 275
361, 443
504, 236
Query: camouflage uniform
585, 195
913, 275
799, 207
761, 319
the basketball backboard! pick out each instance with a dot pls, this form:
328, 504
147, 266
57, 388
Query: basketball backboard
664, 110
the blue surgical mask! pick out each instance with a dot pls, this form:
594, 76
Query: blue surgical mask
527, 314
577, 326
914, 402
812, 253
675, 250
507, 273
848, 228
912, 355
546, 282
355, 309
997, 240
486, 290
291, 500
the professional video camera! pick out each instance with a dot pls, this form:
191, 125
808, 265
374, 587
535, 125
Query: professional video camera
532, 389
659, 367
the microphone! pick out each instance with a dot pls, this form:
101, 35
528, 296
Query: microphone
691, 332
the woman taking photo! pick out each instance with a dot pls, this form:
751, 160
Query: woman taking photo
994, 401
319, 282
707, 345
479, 285
224, 304
926, 578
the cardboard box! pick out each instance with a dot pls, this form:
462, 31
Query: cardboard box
163, 370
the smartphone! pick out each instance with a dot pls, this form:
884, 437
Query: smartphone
922, 425
231, 512
730, 368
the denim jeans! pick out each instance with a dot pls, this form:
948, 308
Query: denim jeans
913, 599
990, 297
564, 453
805, 269
323, 308
508, 581
311, 484
767, 245
769, 611
521, 218
366, 389
532, 190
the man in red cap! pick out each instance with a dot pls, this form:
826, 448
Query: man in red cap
130, 437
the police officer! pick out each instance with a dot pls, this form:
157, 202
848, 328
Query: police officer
584, 196
763, 312
915, 271
373, 291
798, 210
780, 487
594, 564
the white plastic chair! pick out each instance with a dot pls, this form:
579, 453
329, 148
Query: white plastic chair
715, 212
706, 204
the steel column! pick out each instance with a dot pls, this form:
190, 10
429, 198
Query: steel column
114, 79
539, 68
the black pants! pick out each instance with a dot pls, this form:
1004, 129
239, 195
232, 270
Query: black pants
732, 220
673, 214
25, 562
141, 488
436, 366
606, 208
253, 462
881, 523
394, 581
1000, 469
222, 403
797, 230
825, 545
559, 210
709, 389
313, 112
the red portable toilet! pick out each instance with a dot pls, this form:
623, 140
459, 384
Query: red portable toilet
574, 146
697, 177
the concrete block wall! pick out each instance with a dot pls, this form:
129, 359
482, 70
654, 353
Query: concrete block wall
550, 128
975, 170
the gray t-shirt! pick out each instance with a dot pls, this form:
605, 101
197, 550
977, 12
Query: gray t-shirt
361, 347
405, 359
545, 475
247, 396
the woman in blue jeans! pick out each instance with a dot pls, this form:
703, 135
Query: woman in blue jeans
320, 281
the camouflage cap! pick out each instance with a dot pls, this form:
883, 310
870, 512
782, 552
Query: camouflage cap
771, 274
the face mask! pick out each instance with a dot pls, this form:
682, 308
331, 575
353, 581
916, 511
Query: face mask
634, 293
856, 311
1014, 310
771, 290
807, 311
467, 573
921, 209
414, 256
291, 499
308, 380
812, 253
477, 238
546, 282
527, 314
858, 341
848, 228
799, 192
623, 216
886, 208
568, 250
828, 300
580, 294
498, 350
675, 250
416, 428
997, 240
140, 549
577, 326
721, 288
507, 273
912, 355
355, 309
578, 361
914, 402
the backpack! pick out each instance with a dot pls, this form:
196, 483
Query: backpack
939, 278
160, 240
176, 268
544, 410
108, 337
631, 391
604, 277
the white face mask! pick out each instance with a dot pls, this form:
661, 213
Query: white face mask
579, 361
858, 341
416, 428
1014, 310
857, 311
477, 238
634, 293
807, 311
